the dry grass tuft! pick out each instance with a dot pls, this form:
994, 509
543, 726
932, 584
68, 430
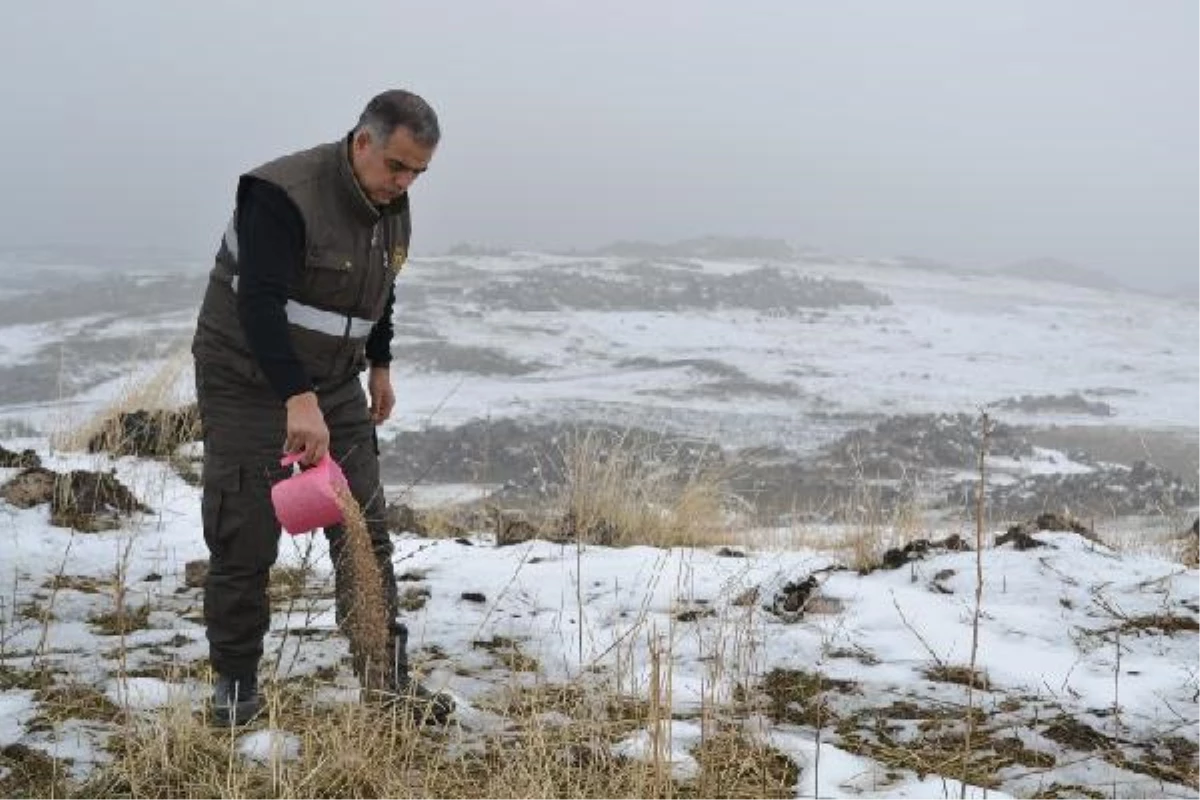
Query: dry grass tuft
121, 621
61, 702
155, 433
290, 583
801, 697
962, 675
29, 772
1189, 552
507, 653
14, 678
622, 490
157, 392
731, 765
85, 584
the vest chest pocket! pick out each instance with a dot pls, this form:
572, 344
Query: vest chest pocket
328, 274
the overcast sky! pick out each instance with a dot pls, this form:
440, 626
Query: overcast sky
978, 133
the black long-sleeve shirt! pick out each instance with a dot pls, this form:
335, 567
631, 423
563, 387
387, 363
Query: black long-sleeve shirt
271, 249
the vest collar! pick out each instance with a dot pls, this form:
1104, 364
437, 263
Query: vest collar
363, 208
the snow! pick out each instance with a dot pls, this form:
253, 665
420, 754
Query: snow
836, 773
16, 708
675, 741
269, 746
142, 694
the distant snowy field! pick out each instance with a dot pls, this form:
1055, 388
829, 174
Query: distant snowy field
532, 335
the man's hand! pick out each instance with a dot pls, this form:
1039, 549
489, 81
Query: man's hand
383, 397
306, 429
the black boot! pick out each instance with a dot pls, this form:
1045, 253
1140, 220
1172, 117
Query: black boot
428, 708
236, 700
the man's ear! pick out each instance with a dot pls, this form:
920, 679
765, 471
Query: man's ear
361, 140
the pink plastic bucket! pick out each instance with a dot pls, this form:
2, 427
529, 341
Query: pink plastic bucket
306, 501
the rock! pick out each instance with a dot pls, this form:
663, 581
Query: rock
513, 527
789, 603
1019, 539
405, 519
936, 584
474, 597
22, 460
726, 552
746, 598
917, 549
195, 573
693, 614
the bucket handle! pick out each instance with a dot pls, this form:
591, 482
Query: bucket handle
292, 458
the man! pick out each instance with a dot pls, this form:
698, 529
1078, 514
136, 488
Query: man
298, 304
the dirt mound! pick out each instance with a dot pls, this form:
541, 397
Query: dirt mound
30, 487
1051, 522
10, 459
147, 433
1109, 490
1056, 404
898, 445
81, 500
92, 501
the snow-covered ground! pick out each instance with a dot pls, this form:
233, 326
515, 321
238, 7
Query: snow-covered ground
1064, 630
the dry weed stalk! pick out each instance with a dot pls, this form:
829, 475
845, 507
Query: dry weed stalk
980, 497
367, 622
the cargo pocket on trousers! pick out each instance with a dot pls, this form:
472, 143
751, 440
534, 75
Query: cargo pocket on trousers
220, 479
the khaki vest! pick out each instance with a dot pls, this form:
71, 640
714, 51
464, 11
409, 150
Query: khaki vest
353, 252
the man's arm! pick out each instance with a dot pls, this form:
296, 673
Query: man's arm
270, 255
270, 235
379, 353
379, 341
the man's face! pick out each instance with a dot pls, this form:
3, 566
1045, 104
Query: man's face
386, 169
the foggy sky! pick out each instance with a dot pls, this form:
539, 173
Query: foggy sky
971, 132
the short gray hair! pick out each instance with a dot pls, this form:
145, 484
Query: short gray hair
400, 109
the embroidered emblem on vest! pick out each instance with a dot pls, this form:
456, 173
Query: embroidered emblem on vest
396, 260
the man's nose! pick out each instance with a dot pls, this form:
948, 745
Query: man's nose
405, 179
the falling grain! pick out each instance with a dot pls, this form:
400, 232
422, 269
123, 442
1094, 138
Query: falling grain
366, 624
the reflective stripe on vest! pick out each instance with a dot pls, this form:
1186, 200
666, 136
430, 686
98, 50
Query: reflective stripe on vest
231, 242
320, 320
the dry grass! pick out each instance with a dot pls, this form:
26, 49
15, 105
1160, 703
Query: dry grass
556, 742
621, 491
875, 529
28, 772
159, 391
1189, 552
121, 621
